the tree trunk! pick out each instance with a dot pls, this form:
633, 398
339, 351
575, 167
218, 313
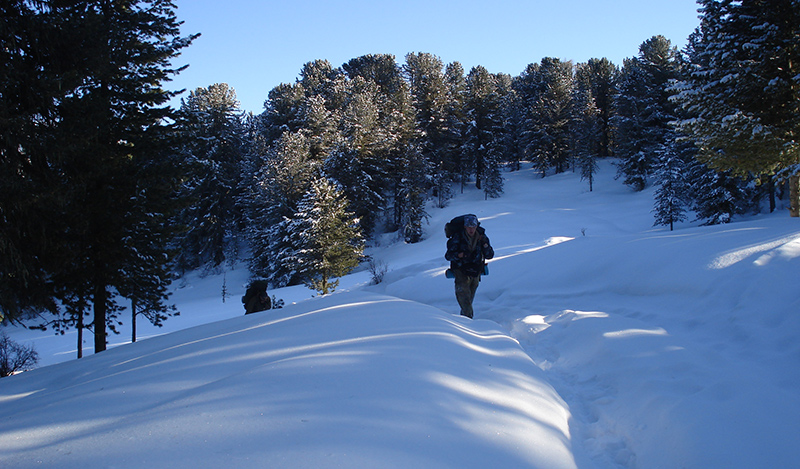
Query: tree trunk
794, 195
100, 306
80, 333
133, 320
771, 191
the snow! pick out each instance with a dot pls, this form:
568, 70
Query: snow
598, 341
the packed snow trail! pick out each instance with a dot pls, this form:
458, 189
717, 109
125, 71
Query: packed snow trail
672, 349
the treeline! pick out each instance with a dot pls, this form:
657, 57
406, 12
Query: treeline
106, 192
391, 137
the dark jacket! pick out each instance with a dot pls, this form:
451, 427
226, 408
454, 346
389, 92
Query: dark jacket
473, 261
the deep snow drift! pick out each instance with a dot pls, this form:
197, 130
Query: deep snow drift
599, 341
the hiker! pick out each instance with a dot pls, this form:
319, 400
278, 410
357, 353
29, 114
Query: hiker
467, 249
255, 298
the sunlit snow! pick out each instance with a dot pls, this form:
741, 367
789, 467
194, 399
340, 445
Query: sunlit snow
598, 341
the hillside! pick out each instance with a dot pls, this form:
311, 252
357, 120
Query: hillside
598, 341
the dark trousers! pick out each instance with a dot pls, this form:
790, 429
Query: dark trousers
465, 291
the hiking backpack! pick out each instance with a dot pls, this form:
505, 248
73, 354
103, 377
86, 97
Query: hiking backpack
456, 224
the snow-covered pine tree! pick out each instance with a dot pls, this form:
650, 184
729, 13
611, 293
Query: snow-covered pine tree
319, 78
554, 111
456, 124
482, 108
546, 90
718, 196
500, 145
358, 161
492, 177
283, 180
671, 177
319, 126
743, 95
411, 195
602, 78
325, 236
643, 109
213, 153
512, 109
586, 126
284, 111
527, 86
424, 73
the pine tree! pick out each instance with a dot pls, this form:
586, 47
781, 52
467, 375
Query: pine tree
643, 110
492, 177
214, 151
587, 126
742, 97
36, 72
500, 144
149, 271
281, 183
320, 127
547, 89
671, 175
109, 121
482, 108
512, 109
718, 196
358, 161
326, 238
319, 78
456, 123
602, 77
426, 78
284, 112
554, 112
411, 195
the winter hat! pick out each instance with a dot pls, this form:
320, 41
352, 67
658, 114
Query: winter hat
470, 220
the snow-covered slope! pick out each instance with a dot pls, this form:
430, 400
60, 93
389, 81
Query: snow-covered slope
599, 341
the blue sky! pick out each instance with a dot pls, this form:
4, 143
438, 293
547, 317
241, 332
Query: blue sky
255, 45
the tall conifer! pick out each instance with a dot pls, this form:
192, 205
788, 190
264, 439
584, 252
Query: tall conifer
743, 94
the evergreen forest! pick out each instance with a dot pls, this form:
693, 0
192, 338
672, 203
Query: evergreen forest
107, 194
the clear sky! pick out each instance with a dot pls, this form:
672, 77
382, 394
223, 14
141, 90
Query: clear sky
255, 45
